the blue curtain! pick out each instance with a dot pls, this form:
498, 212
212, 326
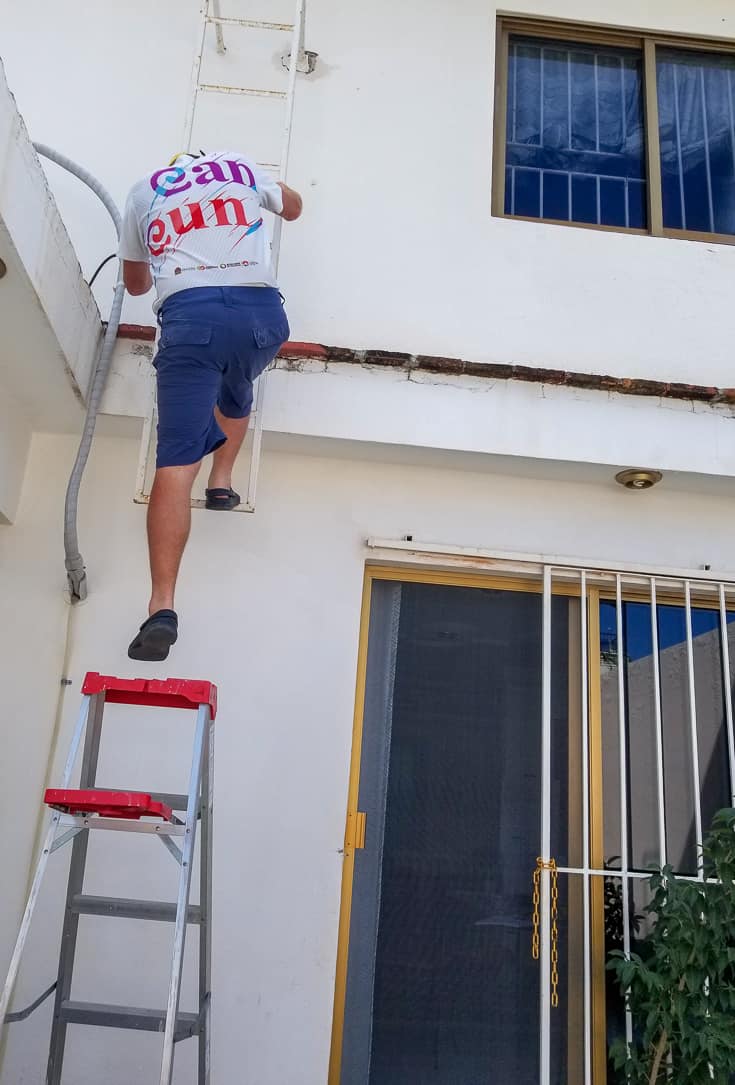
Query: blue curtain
575, 134
696, 102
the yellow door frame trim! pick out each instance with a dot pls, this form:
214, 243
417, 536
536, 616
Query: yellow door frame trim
348, 867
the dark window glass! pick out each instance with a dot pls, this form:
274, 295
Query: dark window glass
640, 693
442, 987
696, 104
575, 135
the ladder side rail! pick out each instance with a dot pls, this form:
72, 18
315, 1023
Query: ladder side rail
195, 73
144, 453
296, 46
75, 885
205, 908
216, 18
41, 864
192, 812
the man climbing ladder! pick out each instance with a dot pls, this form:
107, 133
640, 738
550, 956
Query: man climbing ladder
194, 229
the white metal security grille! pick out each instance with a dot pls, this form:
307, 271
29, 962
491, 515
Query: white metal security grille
679, 588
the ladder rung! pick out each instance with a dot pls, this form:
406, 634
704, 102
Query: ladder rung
128, 1017
250, 24
219, 88
95, 823
122, 908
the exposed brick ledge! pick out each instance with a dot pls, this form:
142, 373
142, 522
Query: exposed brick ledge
142, 332
627, 386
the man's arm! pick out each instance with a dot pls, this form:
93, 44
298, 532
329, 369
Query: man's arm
133, 252
293, 205
137, 277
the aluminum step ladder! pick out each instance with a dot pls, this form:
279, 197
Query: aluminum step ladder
74, 813
296, 59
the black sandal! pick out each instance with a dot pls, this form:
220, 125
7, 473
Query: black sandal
223, 499
155, 636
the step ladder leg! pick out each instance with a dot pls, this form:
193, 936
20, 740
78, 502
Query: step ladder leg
182, 904
205, 905
75, 886
43, 858
27, 917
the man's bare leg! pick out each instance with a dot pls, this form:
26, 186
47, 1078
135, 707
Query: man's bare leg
169, 522
220, 477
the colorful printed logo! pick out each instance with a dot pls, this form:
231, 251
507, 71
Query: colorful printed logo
172, 180
199, 216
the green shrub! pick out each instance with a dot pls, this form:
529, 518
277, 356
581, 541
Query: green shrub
681, 986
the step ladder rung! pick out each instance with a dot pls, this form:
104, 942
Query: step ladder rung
166, 693
126, 805
249, 24
120, 825
255, 92
127, 1017
123, 908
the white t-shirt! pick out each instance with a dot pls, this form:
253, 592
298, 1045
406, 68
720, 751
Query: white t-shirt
199, 223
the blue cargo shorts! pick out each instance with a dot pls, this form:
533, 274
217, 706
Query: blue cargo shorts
215, 341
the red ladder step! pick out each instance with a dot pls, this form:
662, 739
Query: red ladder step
166, 693
129, 805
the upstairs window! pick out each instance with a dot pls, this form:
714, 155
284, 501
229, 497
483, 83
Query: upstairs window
615, 131
696, 120
575, 135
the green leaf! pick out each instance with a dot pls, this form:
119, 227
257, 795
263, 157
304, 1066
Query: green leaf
682, 979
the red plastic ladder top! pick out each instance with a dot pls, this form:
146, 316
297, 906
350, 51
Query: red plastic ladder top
166, 693
129, 805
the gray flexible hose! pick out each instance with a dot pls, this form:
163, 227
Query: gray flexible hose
75, 571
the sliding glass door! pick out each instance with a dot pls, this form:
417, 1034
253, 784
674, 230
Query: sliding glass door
442, 987
525, 748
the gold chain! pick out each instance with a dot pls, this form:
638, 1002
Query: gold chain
536, 939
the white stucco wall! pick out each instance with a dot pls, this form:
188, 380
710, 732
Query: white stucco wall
49, 319
531, 429
392, 148
15, 441
32, 637
269, 609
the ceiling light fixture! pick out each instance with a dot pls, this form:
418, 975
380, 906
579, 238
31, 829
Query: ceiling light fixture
638, 478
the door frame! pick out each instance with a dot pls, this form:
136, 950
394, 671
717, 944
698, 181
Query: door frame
353, 828
568, 579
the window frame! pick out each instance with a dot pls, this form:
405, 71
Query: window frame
647, 41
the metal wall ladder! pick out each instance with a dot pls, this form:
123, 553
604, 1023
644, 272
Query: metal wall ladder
77, 812
296, 59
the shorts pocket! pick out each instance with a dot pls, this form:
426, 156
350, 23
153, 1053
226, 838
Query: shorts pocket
271, 335
185, 333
